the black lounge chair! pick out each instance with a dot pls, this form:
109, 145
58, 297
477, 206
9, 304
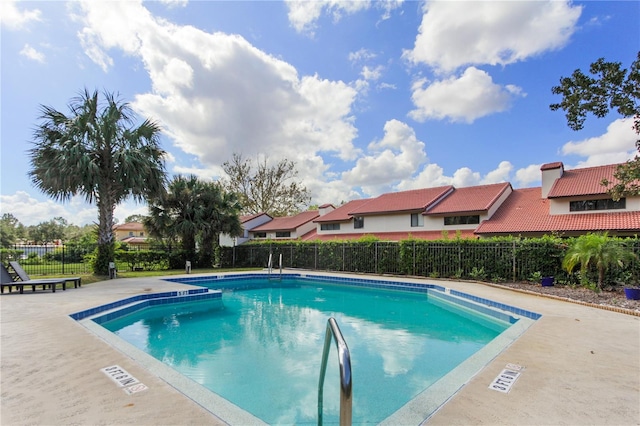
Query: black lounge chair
7, 281
22, 274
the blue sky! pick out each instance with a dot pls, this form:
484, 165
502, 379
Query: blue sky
366, 97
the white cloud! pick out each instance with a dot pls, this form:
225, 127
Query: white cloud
361, 55
615, 146
501, 174
432, 175
175, 3
31, 211
392, 159
457, 33
304, 14
216, 94
372, 73
527, 176
206, 174
13, 18
31, 53
467, 98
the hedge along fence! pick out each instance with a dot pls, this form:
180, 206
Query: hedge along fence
496, 259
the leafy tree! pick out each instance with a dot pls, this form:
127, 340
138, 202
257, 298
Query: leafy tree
598, 250
193, 210
138, 218
265, 189
612, 88
48, 232
96, 151
10, 230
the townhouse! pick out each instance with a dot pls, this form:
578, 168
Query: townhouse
569, 203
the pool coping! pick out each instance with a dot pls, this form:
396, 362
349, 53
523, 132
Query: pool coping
580, 361
418, 410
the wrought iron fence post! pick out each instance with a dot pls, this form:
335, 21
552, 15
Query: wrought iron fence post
413, 272
513, 256
376, 261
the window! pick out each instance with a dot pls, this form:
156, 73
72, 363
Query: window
607, 204
358, 222
329, 226
142, 234
283, 234
462, 220
131, 233
260, 234
417, 219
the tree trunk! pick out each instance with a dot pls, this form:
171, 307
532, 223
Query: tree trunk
106, 244
600, 277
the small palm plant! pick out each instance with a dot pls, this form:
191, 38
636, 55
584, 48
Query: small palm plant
598, 250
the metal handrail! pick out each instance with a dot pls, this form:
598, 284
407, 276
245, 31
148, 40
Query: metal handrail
270, 265
344, 359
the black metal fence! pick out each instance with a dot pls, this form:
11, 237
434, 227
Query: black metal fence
49, 259
498, 261
484, 260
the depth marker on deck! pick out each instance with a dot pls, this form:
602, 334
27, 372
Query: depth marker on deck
506, 378
119, 375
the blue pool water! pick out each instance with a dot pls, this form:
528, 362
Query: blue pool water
260, 348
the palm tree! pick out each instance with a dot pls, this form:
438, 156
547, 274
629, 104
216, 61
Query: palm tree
191, 211
599, 250
172, 216
219, 213
96, 151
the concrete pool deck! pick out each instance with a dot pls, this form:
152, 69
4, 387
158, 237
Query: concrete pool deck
581, 366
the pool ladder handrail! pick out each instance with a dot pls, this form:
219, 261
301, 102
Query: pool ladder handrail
270, 265
344, 360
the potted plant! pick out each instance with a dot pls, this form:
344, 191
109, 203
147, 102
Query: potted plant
632, 293
547, 281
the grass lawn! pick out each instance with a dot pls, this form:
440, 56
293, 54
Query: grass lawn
91, 278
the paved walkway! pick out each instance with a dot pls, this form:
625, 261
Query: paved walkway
582, 366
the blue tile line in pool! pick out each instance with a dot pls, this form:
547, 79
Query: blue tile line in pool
150, 299
380, 284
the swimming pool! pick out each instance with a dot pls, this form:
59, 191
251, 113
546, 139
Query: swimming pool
259, 346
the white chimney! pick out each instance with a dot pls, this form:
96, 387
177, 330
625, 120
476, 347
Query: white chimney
550, 173
325, 208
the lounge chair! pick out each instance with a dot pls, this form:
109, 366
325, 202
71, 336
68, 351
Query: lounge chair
22, 274
7, 281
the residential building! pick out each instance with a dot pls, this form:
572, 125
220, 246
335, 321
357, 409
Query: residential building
291, 227
248, 222
132, 233
569, 202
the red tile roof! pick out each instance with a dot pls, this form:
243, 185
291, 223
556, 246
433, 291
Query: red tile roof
551, 166
135, 240
470, 199
388, 236
525, 211
289, 223
341, 214
405, 201
247, 218
129, 226
583, 181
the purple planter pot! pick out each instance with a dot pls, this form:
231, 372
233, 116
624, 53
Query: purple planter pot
547, 281
632, 293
